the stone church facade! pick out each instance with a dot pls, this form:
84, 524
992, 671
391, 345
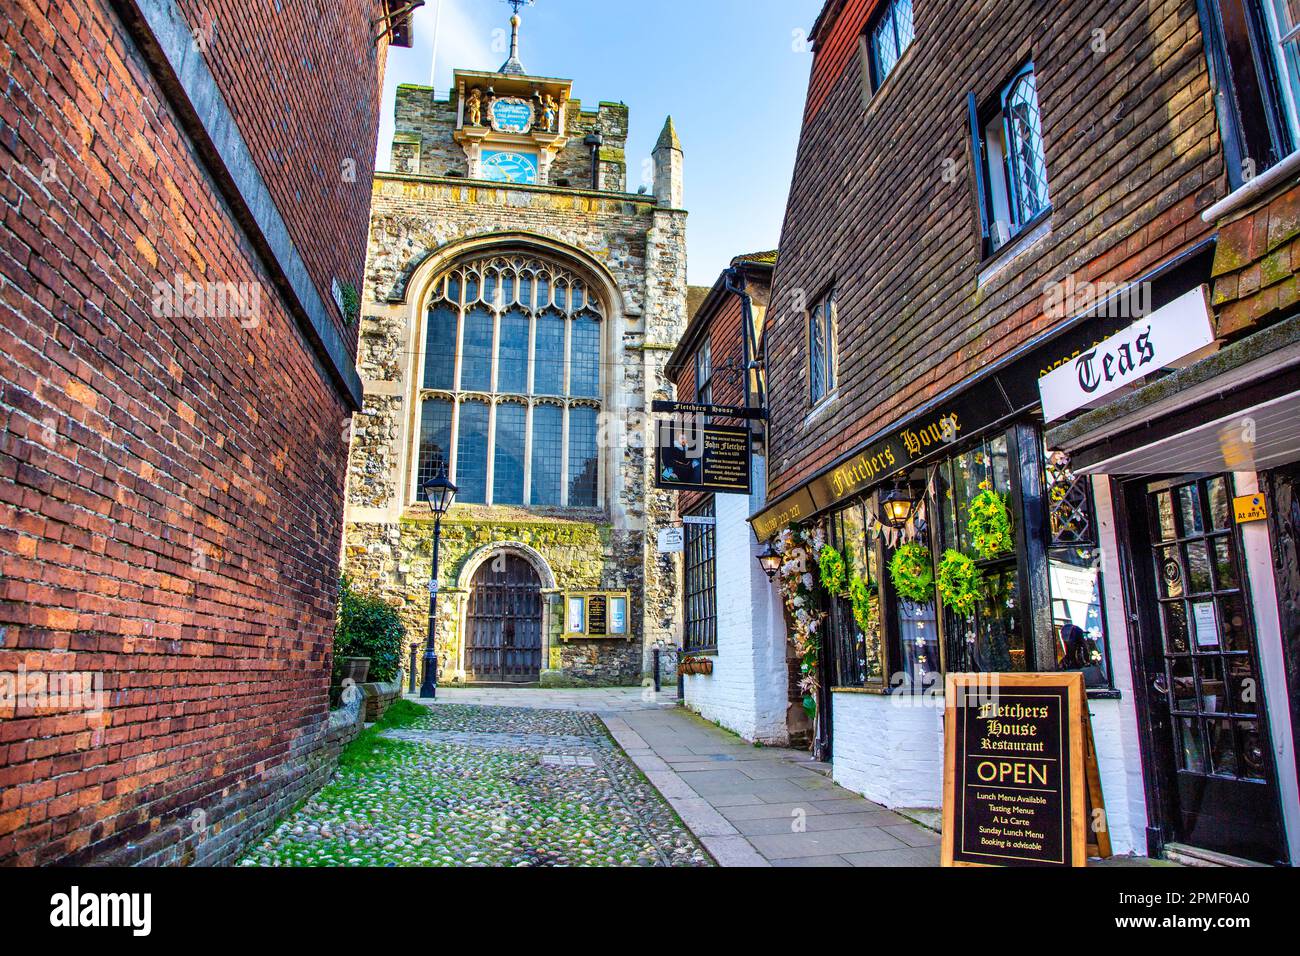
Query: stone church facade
518, 311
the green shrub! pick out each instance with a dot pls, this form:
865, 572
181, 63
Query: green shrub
368, 626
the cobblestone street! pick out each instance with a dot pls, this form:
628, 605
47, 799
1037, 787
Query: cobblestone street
462, 785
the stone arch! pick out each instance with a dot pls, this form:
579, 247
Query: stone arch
465, 580
416, 277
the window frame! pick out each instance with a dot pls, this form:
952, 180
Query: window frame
1256, 130
979, 119
829, 363
700, 596
874, 76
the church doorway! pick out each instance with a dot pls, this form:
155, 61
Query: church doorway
503, 638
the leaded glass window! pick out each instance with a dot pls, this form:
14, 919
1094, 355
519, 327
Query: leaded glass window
513, 370
892, 32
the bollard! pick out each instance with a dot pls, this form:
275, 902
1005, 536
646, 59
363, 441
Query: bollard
657, 687
411, 682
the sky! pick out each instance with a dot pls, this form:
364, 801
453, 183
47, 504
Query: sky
732, 73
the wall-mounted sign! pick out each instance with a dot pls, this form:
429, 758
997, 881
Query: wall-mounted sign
671, 541
786, 511
508, 166
1153, 342
693, 456
716, 411
598, 615
511, 114
1250, 508
1014, 782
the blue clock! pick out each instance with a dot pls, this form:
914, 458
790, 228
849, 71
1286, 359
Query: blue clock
507, 166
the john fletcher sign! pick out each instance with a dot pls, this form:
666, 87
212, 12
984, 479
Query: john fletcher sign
691, 455
1014, 783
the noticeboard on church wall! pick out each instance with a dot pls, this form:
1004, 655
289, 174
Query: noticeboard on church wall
1015, 784
692, 454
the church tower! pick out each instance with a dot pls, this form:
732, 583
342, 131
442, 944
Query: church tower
519, 310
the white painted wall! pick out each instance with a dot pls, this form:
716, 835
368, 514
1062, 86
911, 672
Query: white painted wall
747, 691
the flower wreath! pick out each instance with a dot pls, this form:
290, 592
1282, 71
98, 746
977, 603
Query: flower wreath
866, 607
912, 573
960, 583
833, 572
989, 522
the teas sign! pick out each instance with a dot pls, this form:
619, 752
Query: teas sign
1154, 342
1014, 776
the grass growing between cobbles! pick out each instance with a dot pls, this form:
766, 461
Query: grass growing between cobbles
468, 786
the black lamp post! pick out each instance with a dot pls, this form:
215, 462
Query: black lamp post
440, 493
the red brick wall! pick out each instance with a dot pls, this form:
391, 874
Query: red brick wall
303, 79
1133, 157
170, 487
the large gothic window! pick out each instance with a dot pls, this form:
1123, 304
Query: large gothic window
511, 388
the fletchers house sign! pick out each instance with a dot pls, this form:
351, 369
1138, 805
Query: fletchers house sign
1154, 342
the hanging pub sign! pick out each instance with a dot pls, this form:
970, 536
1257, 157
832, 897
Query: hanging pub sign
693, 455
1016, 777
716, 411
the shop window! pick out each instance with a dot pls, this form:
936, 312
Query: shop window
821, 348
1074, 573
994, 637
888, 36
701, 583
1254, 51
1011, 166
855, 623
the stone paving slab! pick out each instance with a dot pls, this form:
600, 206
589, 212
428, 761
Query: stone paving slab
757, 806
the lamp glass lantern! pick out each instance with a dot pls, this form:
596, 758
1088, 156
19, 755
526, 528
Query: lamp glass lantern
440, 493
769, 561
897, 506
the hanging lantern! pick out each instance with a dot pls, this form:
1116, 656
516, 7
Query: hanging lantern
897, 506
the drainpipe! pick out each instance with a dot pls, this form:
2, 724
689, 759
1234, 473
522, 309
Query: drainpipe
594, 141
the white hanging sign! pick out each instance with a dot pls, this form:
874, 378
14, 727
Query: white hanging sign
1154, 342
671, 541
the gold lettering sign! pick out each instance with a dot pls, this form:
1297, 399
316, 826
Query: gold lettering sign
941, 432
796, 507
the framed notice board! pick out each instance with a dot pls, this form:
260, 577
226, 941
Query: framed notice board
1015, 784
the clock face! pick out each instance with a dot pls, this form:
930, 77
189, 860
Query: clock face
505, 166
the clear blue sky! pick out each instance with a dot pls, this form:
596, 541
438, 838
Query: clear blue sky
733, 74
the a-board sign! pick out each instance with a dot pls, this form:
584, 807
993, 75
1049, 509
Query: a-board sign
692, 455
1015, 783
598, 615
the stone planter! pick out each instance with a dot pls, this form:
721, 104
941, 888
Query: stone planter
356, 669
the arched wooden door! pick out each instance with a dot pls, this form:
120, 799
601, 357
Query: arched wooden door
503, 639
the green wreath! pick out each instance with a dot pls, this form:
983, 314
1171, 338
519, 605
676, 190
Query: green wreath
866, 609
989, 522
912, 573
833, 572
960, 583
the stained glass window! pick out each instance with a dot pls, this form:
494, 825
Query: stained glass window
476, 351
440, 361
548, 377
471, 453
512, 369
585, 367
548, 453
435, 440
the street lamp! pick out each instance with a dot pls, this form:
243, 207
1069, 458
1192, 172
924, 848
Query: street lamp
440, 493
769, 561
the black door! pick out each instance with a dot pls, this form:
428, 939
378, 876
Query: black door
1212, 783
503, 640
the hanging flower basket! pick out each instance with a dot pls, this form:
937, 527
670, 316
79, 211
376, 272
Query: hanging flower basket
833, 573
696, 665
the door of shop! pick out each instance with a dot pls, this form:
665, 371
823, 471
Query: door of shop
1211, 778
503, 640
